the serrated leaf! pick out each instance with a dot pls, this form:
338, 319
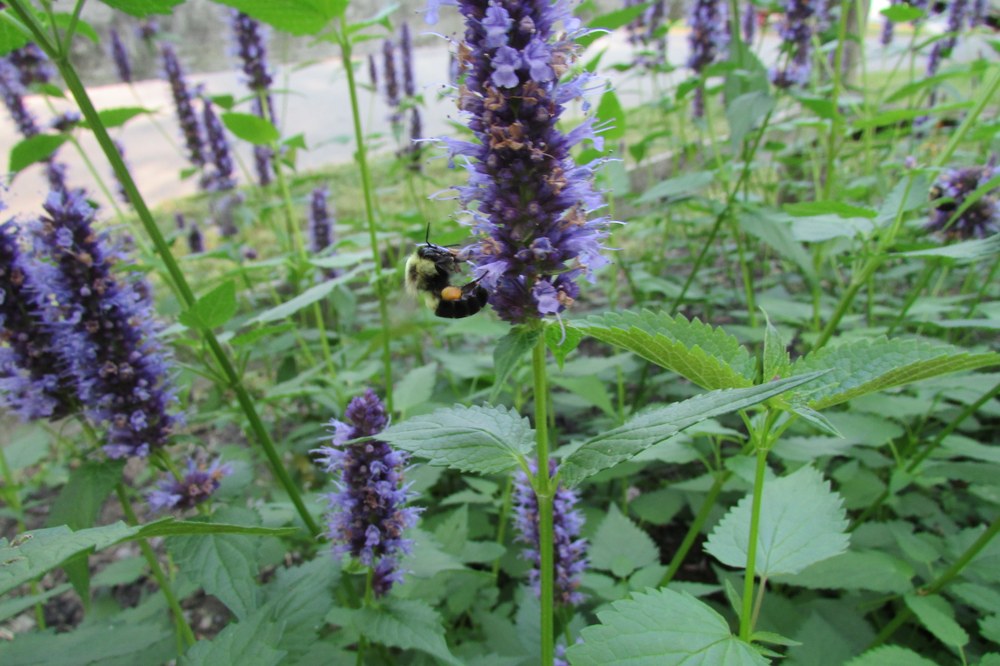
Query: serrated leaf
802, 521
508, 352
251, 128
416, 387
908, 194
620, 546
37, 148
937, 616
298, 17
866, 366
655, 425
989, 628
408, 624
562, 341
709, 357
590, 388
250, 337
104, 641
776, 360
745, 112
225, 565
868, 570
665, 628
486, 439
251, 641
81, 498
966, 251
172, 527
213, 309
890, 655
142, 8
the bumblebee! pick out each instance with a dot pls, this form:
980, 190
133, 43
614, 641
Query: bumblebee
428, 273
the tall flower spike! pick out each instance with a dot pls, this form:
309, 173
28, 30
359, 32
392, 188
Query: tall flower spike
320, 222
367, 515
184, 103
105, 333
531, 199
796, 30
391, 80
708, 39
251, 49
943, 47
981, 218
33, 381
196, 486
406, 52
120, 57
568, 548
749, 22
372, 72
13, 92
218, 145
196, 243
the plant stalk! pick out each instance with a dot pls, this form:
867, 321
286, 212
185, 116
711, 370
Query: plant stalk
544, 493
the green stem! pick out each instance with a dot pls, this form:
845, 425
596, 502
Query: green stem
544, 491
12, 494
746, 615
836, 120
368, 190
183, 628
695, 528
970, 553
173, 270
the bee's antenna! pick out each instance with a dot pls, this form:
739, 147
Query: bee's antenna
427, 237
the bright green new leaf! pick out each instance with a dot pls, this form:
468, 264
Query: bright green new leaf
838, 208
611, 115
119, 116
213, 309
142, 8
938, 617
902, 13
251, 128
867, 366
665, 628
37, 148
620, 546
299, 17
890, 655
709, 357
12, 34
802, 522
655, 425
600, 25
485, 439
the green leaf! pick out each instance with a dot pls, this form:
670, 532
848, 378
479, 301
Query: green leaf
379, 18
989, 628
225, 565
938, 617
665, 628
508, 352
34, 149
745, 112
611, 116
251, 337
610, 21
16, 605
171, 527
838, 208
486, 439
108, 640
82, 497
119, 116
868, 570
298, 17
213, 309
709, 357
966, 251
802, 522
250, 641
620, 546
776, 360
142, 8
908, 194
660, 423
866, 366
675, 188
562, 341
12, 34
416, 387
890, 655
306, 298
902, 13
251, 128
407, 624
590, 388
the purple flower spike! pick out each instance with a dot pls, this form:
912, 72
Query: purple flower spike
196, 486
406, 51
372, 72
120, 57
529, 199
391, 80
568, 549
184, 103
196, 243
250, 44
709, 37
796, 30
218, 145
33, 381
12, 90
943, 47
749, 23
103, 327
367, 514
320, 222
148, 29
32, 64
980, 219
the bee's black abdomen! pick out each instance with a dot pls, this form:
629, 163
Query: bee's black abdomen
473, 300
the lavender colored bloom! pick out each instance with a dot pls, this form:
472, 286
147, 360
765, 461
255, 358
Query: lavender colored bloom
33, 381
708, 40
196, 486
943, 47
320, 222
978, 14
644, 34
120, 57
391, 80
180, 221
184, 103
218, 146
406, 51
569, 550
981, 218
103, 327
148, 29
196, 243
532, 199
372, 72
252, 51
367, 514
55, 174
250, 254
32, 64
13, 92
749, 22
796, 30
66, 121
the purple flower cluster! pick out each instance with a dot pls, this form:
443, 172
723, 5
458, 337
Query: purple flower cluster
533, 199
120, 57
221, 178
569, 549
148, 29
796, 30
320, 222
184, 103
644, 32
196, 486
252, 51
957, 11
32, 64
708, 41
13, 90
32, 379
66, 121
367, 514
748, 22
406, 53
391, 79
103, 329
981, 218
